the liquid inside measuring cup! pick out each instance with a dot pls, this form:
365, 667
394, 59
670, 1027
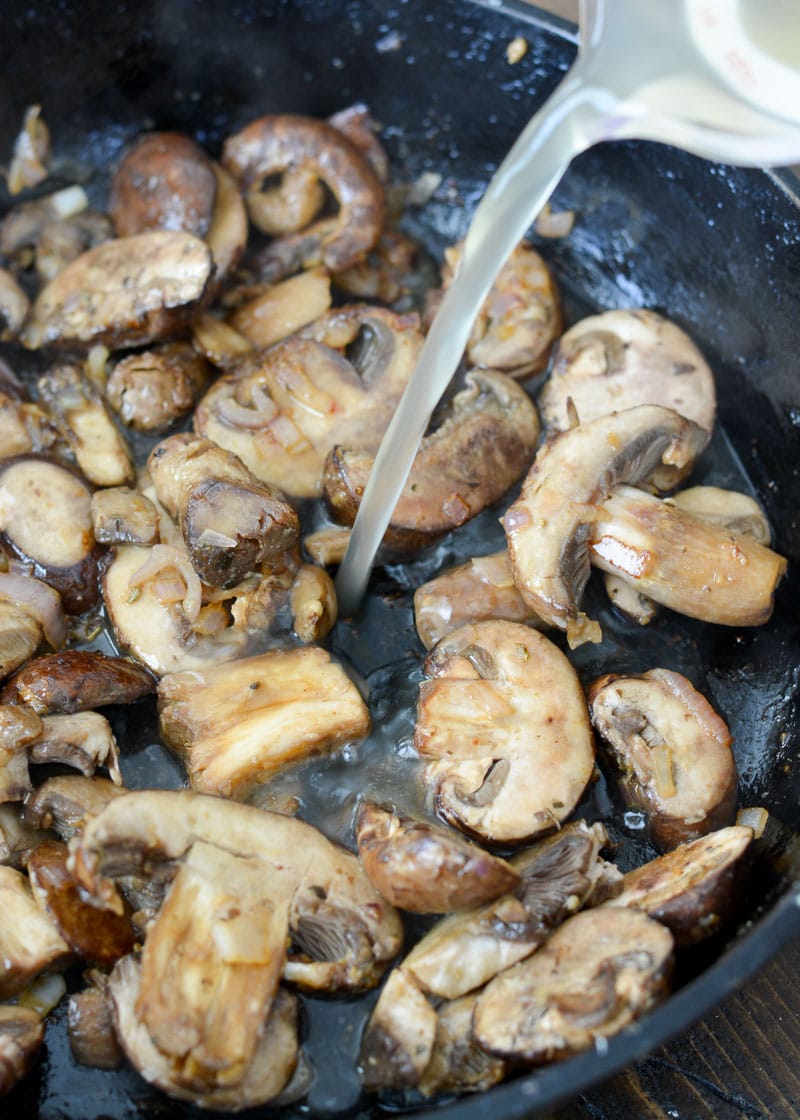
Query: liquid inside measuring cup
692, 74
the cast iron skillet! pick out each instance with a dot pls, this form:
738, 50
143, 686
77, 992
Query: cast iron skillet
716, 249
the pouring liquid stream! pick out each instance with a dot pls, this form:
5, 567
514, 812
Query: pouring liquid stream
649, 71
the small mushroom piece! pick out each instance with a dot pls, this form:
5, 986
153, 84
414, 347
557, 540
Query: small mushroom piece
692, 567
14, 306
21, 1036
165, 181
65, 802
398, 1040
328, 545
77, 681
425, 868
457, 1063
83, 740
237, 724
267, 1075
126, 292
727, 509
63, 240
39, 602
549, 526
231, 522
600, 971
482, 447
227, 233
18, 729
275, 144
22, 226
20, 636
152, 389
46, 520
23, 427
90, 1029
620, 359
98, 934
29, 941
396, 272
520, 318
313, 604
84, 422
343, 933
123, 516
283, 308
31, 154
17, 838
218, 342
673, 751
696, 888
479, 590
557, 876
503, 727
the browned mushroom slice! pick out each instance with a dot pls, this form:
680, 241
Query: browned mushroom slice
696, 888
29, 941
21, 1036
83, 740
269, 1072
558, 875
237, 724
231, 522
313, 604
360, 128
76, 681
14, 306
483, 446
504, 730
620, 359
688, 565
481, 589
90, 1029
283, 308
728, 509
274, 144
18, 729
153, 388
218, 342
458, 1064
398, 1040
17, 838
549, 526
601, 970
344, 932
164, 181
84, 422
520, 318
123, 516
66, 801
673, 750
125, 292
98, 934
62, 241
211, 965
281, 411
227, 234
425, 868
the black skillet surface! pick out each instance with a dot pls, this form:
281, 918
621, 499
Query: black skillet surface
716, 249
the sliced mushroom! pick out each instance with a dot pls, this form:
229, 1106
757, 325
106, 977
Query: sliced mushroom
549, 526
20, 635
503, 727
23, 427
14, 306
77, 681
21, 1036
65, 802
237, 724
558, 875
344, 933
601, 970
520, 318
457, 1063
396, 272
283, 308
628, 599
46, 520
90, 1029
125, 292
17, 839
231, 522
673, 750
274, 144
85, 423
424, 868
398, 1040
29, 941
479, 590
313, 604
690, 566
18, 729
360, 128
152, 389
100, 935
218, 342
23, 224
327, 546
696, 888
165, 181
269, 1072
123, 516
728, 509
83, 740
227, 234
483, 446
62, 241
620, 359
31, 155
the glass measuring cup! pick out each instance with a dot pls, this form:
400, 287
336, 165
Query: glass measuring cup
703, 75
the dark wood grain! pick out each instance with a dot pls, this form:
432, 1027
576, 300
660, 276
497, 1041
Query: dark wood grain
742, 1062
